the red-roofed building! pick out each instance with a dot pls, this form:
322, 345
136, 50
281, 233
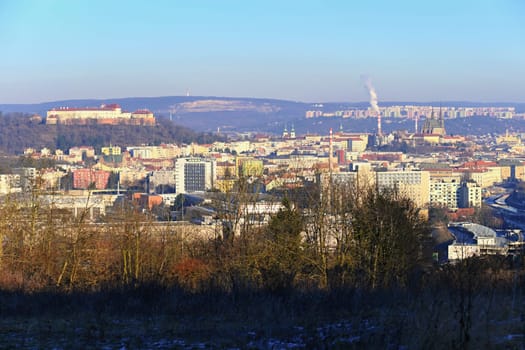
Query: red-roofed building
479, 164
386, 156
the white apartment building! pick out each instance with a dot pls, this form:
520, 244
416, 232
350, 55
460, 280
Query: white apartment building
412, 184
155, 152
27, 177
161, 177
9, 183
454, 194
470, 195
444, 193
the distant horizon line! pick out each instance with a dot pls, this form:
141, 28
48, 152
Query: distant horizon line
260, 98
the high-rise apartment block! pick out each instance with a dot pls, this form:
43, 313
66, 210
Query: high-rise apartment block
444, 193
411, 184
469, 195
194, 174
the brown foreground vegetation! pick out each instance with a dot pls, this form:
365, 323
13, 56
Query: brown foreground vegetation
347, 270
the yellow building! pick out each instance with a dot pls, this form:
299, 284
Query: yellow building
442, 175
225, 185
519, 172
508, 139
87, 151
199, 150
226, 170
432, 138
130, 176
356, 144
241, 146
512, 171
517, 149
111, 151
486, 177
248, 166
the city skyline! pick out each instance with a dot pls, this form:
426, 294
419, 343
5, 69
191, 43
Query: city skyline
304, 51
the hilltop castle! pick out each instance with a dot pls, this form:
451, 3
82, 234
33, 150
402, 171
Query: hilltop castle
110, 114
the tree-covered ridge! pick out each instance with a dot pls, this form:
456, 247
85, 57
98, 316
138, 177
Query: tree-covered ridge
18, 132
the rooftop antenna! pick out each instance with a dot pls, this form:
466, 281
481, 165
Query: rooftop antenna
330, 150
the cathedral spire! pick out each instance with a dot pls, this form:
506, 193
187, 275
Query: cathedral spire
285, 132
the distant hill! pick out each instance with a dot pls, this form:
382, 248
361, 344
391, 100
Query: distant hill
202, 113
209, 113
164, 105
459, 126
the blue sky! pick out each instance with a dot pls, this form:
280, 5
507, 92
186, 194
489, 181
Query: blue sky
297, 50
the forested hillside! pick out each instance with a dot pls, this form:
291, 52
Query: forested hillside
19, 132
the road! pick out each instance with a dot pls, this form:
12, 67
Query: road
513, 217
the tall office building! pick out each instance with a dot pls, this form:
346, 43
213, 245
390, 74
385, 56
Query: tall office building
194, 174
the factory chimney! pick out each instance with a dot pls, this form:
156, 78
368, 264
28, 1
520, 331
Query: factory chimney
379, 132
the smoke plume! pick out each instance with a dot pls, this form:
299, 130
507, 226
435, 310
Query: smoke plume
373, 95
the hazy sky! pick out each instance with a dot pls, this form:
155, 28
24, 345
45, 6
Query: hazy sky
298, 50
